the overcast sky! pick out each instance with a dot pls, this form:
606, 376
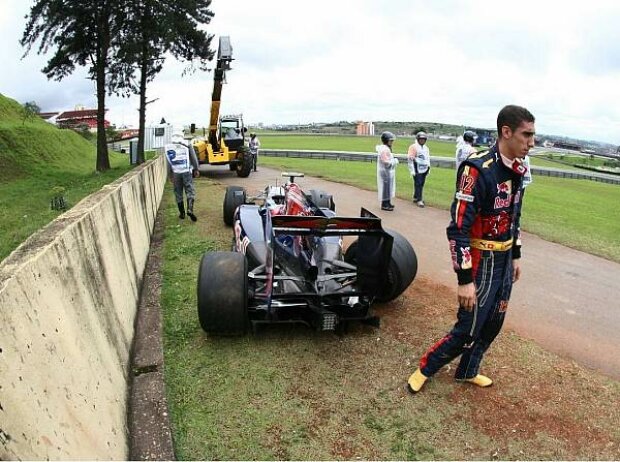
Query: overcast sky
327, 60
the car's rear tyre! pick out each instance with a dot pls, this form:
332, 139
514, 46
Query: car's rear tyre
404, 263
233, 198
322, 199
402, 269
223, 293
245, 166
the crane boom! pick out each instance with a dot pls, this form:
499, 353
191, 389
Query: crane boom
224, 57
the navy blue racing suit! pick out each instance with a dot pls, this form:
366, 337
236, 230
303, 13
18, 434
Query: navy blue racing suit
484, 239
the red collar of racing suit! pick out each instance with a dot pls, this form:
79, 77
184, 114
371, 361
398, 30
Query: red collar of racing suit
516, 165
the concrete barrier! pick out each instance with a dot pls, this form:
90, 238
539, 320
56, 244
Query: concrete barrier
68, 298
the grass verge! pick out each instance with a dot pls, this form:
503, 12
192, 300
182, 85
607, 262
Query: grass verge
25, 202
35, 158
437, 148
581, 214
292, 393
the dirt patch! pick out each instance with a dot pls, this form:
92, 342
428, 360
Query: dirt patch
555, 401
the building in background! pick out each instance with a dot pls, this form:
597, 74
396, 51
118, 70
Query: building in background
364, 128
49, 117
127, 134
157, 135
79, 117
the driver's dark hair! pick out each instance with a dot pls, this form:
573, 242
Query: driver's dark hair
512, 116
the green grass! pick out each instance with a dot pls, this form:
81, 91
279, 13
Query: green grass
348, 143
542, 161
571, 162
581, 214
290, 393
437, 148
35, 157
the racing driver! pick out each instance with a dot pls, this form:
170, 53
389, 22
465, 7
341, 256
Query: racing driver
484, 240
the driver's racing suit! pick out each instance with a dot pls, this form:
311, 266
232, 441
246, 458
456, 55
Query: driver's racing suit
484, 238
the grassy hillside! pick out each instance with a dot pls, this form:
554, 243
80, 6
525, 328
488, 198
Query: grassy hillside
35, 157
33, 146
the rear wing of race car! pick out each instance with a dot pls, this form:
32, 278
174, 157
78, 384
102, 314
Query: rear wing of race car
296, 224
374, 248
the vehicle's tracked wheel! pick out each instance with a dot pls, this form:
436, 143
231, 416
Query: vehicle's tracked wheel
223, 293
233, 198
402, 269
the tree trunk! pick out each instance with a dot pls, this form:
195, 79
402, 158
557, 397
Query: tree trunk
103, 39
142, 109
103, 160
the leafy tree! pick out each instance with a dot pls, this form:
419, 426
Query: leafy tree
111, 133
83, 33
31, 109
155, 28
83, 130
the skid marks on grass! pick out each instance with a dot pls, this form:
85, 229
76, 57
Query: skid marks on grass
275, 442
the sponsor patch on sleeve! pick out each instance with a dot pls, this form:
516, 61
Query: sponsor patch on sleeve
466, 258
464, 197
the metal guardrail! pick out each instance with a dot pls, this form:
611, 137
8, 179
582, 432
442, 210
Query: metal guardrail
445, 162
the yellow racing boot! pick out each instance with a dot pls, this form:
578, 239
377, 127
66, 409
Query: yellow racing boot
416, 381
480, 381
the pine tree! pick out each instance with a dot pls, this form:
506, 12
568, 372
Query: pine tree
83, 34
156, 28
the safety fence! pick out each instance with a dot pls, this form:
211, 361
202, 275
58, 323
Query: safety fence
445, 162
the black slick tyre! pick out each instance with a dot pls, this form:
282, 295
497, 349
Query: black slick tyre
223, 293
402, 268
233, 198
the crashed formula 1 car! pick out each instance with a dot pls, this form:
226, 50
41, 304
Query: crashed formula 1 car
288, 263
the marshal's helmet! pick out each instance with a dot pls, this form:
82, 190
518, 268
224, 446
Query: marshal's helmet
469, 136
421, 136
387, 136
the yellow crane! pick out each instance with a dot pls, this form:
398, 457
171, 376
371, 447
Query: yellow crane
225, 143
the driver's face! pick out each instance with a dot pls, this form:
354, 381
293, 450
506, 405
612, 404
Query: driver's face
520, 141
